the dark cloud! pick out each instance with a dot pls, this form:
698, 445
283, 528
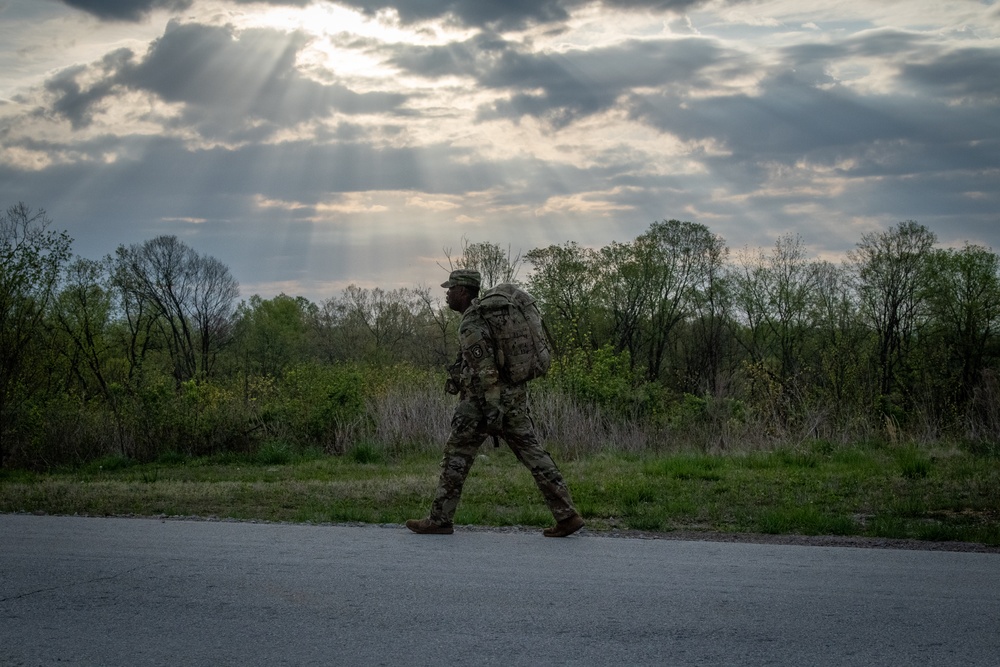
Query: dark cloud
960, 74
801, 114
225, 83
789, 122
498, 14
126, 10
71, 100
561, 88
786, 118
278, 3
873, 44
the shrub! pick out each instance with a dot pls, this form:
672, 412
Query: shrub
317, 405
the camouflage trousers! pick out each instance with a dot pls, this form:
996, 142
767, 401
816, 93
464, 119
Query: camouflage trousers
468, 431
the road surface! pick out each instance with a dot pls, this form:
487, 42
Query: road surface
126, 591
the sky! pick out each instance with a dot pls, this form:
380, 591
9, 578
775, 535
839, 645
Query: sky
309, 145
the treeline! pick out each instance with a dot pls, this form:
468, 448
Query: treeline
666, 339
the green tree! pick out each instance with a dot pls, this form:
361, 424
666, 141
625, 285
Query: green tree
839, 344
31, 260
963, 293
274, 334
892, 277
680, 259
83, 314
563, 279
90, 339
707, 349
621, 290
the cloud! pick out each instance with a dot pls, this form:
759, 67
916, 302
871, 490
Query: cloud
334, 151
963, 74
226, 83
493, 14
127, 10
507, 14
74, 102
799, 112
561, 88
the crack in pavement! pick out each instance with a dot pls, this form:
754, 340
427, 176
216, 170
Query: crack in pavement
73, 584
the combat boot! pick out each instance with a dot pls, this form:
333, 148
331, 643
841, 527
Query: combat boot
428, 527
565, 528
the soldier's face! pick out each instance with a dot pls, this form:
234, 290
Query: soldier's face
455, 297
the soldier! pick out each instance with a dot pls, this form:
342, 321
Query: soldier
488, 406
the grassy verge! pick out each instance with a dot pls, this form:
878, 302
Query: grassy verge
875, 491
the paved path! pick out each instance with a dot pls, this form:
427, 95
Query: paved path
109, 592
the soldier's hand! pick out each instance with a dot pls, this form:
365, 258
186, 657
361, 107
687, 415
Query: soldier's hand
451, 387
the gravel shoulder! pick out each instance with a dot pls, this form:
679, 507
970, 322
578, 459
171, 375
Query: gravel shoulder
852, 541
755, 538
811, 541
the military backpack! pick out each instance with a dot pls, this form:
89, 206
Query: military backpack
522, 347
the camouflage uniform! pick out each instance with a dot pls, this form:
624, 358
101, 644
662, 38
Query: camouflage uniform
489, 406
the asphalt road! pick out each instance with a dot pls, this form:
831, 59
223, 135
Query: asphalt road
108, 592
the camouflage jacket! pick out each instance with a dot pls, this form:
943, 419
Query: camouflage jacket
475, 374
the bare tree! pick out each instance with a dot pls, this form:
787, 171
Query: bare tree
213, 305
192, 299
375, 324
495, 265
841, 340
773, 296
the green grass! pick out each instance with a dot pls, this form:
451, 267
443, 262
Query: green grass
819, 489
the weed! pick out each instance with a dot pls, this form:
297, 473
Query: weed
796, 458
112, 463
20, 476
646, 521
912, 505
823, 447
854, 458
365, 453
806, 521
889, 527
274, 453
913, 464
986, 448
171, 458
938, 532
706, 468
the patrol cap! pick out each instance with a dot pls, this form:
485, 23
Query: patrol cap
464, 278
